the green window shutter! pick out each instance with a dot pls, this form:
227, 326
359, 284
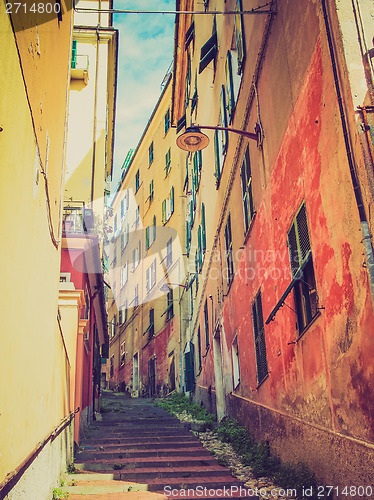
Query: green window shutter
200, 252
154, 228
190, 35
181, 123
164, 212
298, 240
199, 347
185, 185
239, 36
206, 321
229, 86
188, 238
259, 334
172, 200
74, 55
208, 52
147, 237
247, 194
217, 172
223, 118
203, 227
189, 374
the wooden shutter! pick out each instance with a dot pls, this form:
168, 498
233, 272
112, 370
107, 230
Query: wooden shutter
259, 334
203, 227
208, 52
239, 36
229, 86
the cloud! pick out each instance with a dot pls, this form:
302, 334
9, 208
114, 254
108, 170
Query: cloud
145, 54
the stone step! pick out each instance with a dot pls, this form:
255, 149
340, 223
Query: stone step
83, 487
208, 482
98, 455
129, 495
175, 461
143, 474
140, 444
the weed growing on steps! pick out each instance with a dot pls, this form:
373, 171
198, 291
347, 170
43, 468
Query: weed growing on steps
253, 454
58, 494
179, 403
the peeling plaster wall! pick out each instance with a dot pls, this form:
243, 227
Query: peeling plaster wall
316, 404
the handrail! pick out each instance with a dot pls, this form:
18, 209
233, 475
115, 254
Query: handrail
14, 476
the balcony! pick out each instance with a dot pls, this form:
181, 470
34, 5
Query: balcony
77, 219
79, 68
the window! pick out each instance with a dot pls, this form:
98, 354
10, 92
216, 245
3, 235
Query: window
151, 327
199, 348
150, 154
136, 296
150, 234
230, 92
74, 55
115, 223
169, 252
170, 305
124, 275
123, 354
150, 276
124, 237
113, 326
114, 261
136, 256
247, 194
112, 366
229, 253
239, 36
206, 321
259, 333
209, 49
168, 207
137, 181
137, 216
151, 191
305, 293
167, 162
122, 208
167, 121
235, 362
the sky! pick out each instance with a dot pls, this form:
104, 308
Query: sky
144, 58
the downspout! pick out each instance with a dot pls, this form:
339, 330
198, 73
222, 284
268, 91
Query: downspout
94, 116
366, 240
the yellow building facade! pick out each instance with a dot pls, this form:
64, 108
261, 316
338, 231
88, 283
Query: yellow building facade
35, 392
147, 266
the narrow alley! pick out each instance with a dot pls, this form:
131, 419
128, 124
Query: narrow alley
139, 448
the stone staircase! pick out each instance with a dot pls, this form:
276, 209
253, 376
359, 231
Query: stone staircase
141, 452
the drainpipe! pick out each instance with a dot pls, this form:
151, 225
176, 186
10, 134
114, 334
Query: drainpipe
356, 187
94, 117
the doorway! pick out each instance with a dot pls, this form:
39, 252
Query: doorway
152, 377
218, 375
